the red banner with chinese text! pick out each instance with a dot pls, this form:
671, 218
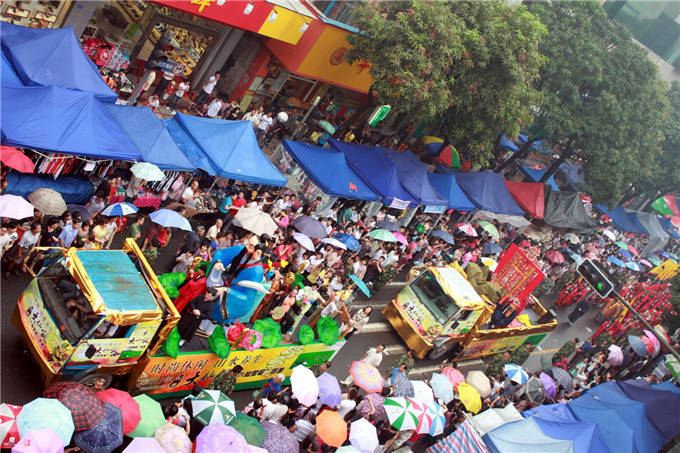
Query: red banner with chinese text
517, 273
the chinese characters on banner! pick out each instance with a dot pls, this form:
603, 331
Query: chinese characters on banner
399, 204
517, 274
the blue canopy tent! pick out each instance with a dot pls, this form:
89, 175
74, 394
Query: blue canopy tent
524, 436
449, 188
573, 173
616, 432
557, 412
508, 144
150, 136
376, 169
44, 57
8, 77
487, 191
668, 227
62, 120
622, 219
74, 190
536, 175
329, 170
585, 436
224, 148
661, 406
668, 387
413, 176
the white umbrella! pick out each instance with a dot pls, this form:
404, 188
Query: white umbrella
422, 391
304, 241
304, 384
609, 234
363, 436
171, 219
48, 201
15, 207
334, 242
256, 221
147, 171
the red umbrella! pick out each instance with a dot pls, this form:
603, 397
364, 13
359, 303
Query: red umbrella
9, 432
633, 250
453, 375
554, 256
15, 159
127, 405
87, 410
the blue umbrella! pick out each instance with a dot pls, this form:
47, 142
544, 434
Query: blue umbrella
626, 253
120, 209
491, 248
360, 284
388, 225
632, 265
442, 387
614, 260
516, 373
402, 386
638, 345
170, 219
350, 241
444, 236
105, 436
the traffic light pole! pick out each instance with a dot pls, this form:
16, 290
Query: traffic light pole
640, 318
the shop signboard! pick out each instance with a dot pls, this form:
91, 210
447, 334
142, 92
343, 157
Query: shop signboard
517, 274
399, 204
429, 209
172, 67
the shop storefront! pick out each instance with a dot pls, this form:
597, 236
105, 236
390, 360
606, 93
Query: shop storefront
37, 14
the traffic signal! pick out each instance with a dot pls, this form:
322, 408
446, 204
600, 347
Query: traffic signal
158, 52
596, 277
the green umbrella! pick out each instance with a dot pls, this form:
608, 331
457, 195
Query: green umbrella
328, 127
250, 428
654, 260
382, 235
489, 228
401, 413
622, 245
152, 416
662, 207
213, 407
673, 365
147, 171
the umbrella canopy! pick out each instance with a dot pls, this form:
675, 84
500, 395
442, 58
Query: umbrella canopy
652, 348
467, 229
562, 377
382, 235
646, 263
347, 449
571, 237
548, 385
221, 439
304, 385
478, 380
534, 390
432, 419
105, 436
363, 435
632, 265
256, 221
13, 158
442, 387
147, 171
127, 405
87, 410
249, 427
15, 207
401, 413
470, 397
489, 228
350, 241
633, 250
213, 407
171, 219
144, 445
388, 225
304, 241
615, 356
335, 243
614, 260
310, 226
48, 201
9, 431
422, 391
326, 126
491, 248
81, 210
453, 375
42, 413
366, 376
39, 441
119, 209
622, 245
360, 284
173, 439
638, 345
554, 256
400, 237
374, 403
151, 416
402, 386
444, 236
609, 235
516, 373
329, 390
331, 428
277, 439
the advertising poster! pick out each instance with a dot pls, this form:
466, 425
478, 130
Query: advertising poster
517, 274
139, 340
163, 374
479, 348
101, 351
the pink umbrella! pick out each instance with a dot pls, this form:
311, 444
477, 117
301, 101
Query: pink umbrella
366, 376
549, 384
554, 256
127, 405
453, 375
652, 343
646, 263
39, 441
633, 250
648, 345
467, 229
144, 445
400, 237
615, 355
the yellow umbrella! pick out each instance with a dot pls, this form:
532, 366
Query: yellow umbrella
470, 397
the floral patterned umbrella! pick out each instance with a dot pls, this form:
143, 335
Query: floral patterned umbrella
220, 439
105, 436
402, 386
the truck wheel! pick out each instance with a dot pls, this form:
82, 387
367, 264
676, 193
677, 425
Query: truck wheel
439, 351
90, 379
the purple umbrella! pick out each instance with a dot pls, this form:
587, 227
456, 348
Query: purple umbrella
277, 439
549, 384
329, 390
310, 226
39, 441
144, 445
221, 439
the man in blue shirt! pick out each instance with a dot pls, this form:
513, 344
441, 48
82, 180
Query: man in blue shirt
69, 233
273, 385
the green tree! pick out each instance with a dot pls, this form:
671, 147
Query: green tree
602, 98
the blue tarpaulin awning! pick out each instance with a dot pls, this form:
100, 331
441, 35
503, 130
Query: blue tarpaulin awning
376, 169
8, 77
73, 189
413, 177
536, 175
622, 219
488, 192
524, 436
52, 56
224, 148
64, 121
329, 170
448, 186
508, 144
586, 436
667, 225
150, 136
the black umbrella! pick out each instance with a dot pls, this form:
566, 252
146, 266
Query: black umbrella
310, 226
562, 377
534, 390
491, 248
388, 225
